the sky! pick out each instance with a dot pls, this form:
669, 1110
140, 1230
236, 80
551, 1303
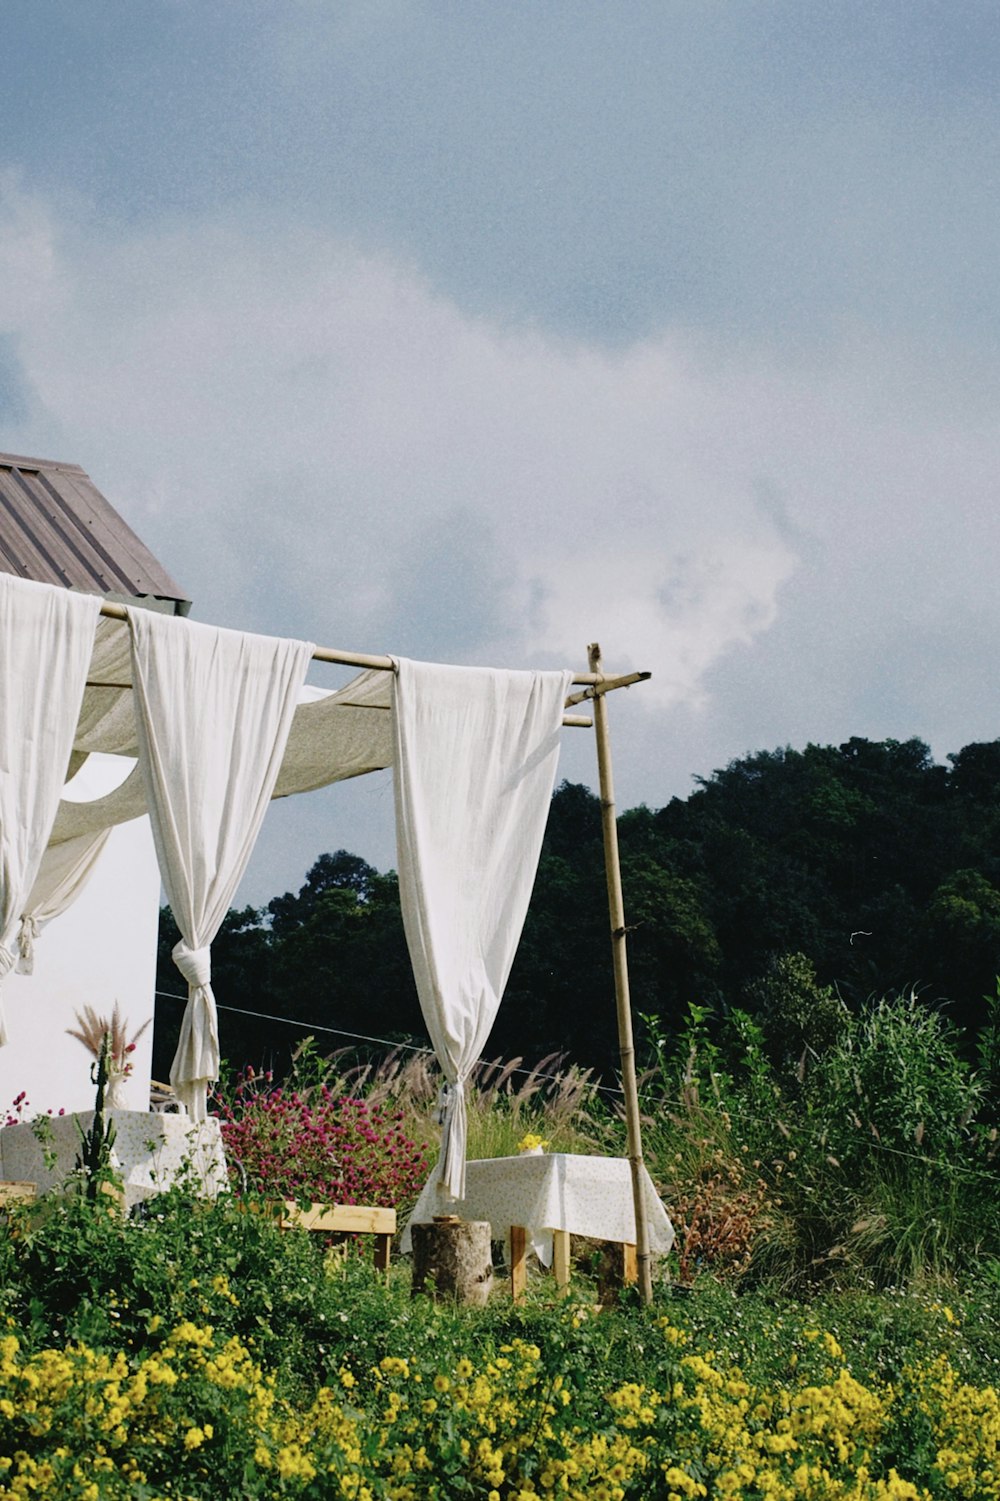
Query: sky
476, 332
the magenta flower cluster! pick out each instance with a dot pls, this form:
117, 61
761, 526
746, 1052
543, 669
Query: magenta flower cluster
319, 1146
17, 1110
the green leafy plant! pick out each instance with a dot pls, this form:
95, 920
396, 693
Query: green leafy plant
94, 1159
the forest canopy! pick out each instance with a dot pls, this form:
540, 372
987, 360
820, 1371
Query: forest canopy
784, 879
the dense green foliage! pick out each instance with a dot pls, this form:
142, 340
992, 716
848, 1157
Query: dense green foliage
199, 1351
828, 1324
870, 1158
880, 867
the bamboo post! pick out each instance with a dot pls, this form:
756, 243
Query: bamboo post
616, 912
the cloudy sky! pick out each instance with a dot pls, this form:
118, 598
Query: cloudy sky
477, 331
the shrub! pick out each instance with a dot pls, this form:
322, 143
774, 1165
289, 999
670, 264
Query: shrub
714, 1396
317, 1146
872, 1161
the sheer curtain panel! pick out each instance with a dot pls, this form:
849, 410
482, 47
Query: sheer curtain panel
213, 711
476, 755
46, 636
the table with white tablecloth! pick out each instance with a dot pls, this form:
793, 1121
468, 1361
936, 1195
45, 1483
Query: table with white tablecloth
151, 1152
551, 1192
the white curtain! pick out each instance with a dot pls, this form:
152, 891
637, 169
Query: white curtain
476, 754
46, 635
64, 872
213, 710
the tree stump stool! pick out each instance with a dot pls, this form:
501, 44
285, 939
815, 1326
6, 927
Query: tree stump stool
454, 1257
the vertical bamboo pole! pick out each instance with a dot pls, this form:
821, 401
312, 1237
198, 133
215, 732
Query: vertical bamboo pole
616, 912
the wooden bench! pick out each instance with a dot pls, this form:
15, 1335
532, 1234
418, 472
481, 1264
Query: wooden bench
14, 1191
345, 1219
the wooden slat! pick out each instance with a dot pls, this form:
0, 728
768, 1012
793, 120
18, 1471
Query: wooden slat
518, 1261
16, 1191
357, 1219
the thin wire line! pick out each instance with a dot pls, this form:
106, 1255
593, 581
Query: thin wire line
410, 1047
386, 1042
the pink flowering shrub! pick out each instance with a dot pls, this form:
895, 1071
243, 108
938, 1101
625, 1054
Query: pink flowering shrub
317, 1145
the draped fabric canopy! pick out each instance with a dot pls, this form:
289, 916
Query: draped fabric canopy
64, 872
332, 736
220, 722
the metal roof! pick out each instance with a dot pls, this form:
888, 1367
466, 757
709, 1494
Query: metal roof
57, 528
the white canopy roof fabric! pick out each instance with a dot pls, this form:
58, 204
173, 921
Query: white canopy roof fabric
334, 736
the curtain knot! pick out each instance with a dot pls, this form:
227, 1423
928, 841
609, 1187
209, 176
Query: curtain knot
194, 964
27, 933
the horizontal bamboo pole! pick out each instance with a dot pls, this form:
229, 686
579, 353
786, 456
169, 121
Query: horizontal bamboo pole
606, 686
570, 721
321, 654
115, 611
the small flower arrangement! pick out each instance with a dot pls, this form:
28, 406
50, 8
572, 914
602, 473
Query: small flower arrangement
532, 1143
92, 1030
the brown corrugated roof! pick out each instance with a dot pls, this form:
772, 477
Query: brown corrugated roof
57, 528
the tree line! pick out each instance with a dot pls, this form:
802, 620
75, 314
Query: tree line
785, 879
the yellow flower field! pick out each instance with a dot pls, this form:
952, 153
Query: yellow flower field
195, 1415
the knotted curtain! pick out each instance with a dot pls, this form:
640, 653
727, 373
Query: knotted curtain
213, 711
46, 635
475, 762
65, 869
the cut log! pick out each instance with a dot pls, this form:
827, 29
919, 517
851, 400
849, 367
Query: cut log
618, 1268
452, 1260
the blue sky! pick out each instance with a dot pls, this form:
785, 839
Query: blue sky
478, 331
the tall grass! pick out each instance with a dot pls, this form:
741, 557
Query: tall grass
864, 1161
505, 1099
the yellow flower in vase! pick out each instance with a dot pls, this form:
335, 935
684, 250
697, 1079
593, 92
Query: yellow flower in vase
532, 1144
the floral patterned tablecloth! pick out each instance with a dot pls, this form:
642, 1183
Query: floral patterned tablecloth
553, 1191
151, 1151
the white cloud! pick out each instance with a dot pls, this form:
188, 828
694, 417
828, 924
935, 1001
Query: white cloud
280, 414
29, 277
317, 444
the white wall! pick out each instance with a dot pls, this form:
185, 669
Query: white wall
102, 950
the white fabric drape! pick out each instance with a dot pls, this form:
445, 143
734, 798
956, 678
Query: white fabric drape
64, 872
213, 710
127, 801
333, 736
46, 635
476, 753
